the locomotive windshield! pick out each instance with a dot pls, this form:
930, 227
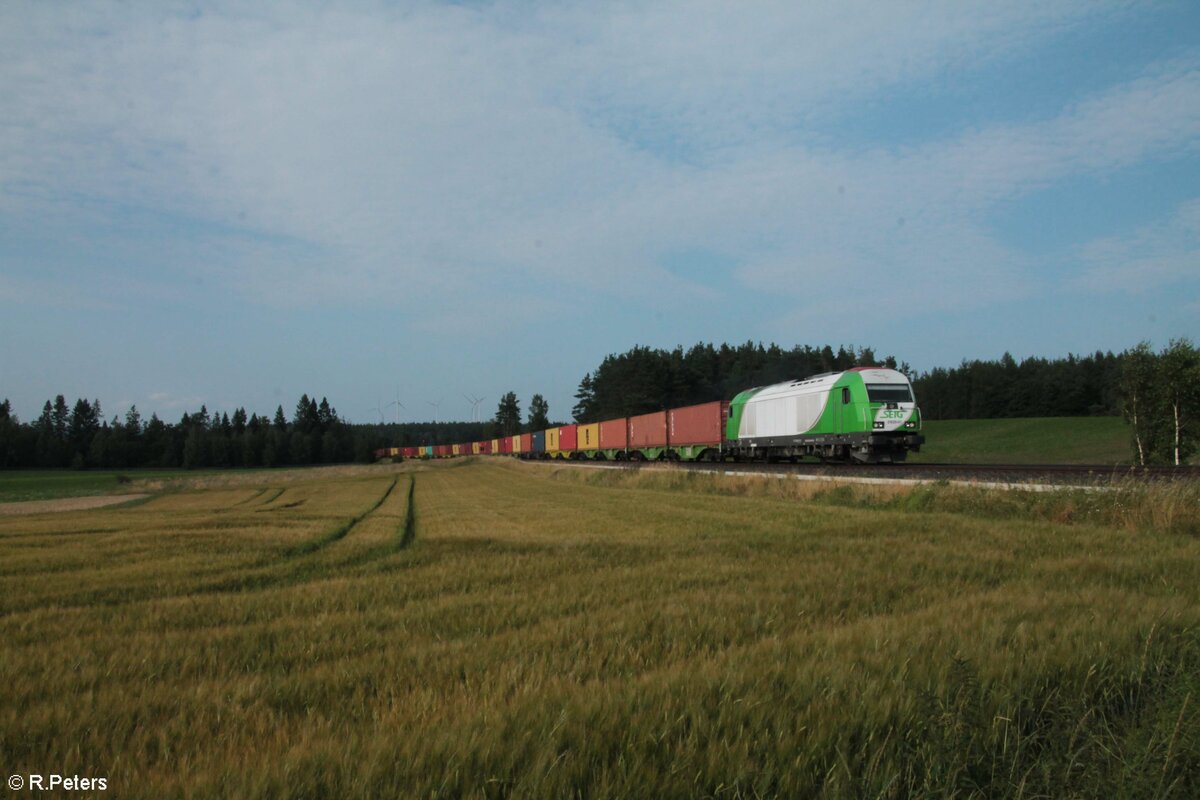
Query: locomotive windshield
889, 393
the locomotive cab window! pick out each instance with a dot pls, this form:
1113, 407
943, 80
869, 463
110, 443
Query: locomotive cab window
889, 393
845, 395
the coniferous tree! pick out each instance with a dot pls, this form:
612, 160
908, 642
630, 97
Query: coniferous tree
585, 400
10, 433
300, 417
62, 418
326, 415
47, 440
508, 415
194, 448
539, 413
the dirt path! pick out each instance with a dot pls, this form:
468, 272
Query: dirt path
65, 504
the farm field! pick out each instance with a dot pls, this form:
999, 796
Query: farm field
1046, 440
479, 628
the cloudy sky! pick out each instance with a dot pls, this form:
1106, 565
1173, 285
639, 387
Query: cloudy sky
201, 203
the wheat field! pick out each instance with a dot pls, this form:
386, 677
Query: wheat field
485, 629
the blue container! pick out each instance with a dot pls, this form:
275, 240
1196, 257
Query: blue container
539, 442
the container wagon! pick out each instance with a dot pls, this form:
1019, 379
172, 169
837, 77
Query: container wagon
648, 436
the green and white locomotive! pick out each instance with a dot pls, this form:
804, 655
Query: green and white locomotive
866, 414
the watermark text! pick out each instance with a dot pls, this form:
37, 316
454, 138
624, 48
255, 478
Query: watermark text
61, 783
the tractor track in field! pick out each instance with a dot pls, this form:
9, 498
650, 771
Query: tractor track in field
340, 532
409, 531
298, 571
265, 505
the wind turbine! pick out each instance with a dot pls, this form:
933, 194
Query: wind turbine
435, 408
474, 401
378, 407
398, 406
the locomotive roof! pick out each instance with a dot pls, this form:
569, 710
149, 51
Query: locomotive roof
823, 382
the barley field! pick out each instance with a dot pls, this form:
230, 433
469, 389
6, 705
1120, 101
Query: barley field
486, 629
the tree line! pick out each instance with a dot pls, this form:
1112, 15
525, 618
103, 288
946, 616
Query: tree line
1075, 386
80, 437
646, 379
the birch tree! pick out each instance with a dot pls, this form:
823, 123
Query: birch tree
1179, 370
1138, 373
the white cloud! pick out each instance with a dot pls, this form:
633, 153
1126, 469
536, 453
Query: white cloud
437, 155
1156, 255
1154, 115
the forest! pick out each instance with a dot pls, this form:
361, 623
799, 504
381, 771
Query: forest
644, 379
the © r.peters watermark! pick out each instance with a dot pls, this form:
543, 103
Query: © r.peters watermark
63, 783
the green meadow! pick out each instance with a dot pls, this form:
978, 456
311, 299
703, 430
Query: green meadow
1045, 440
493, 629
51, 484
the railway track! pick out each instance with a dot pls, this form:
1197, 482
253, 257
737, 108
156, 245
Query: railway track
997, 473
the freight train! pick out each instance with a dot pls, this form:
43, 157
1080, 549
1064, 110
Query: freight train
864, 415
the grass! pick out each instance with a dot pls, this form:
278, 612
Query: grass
1126, 503
51, 484
1049, 440
490, 629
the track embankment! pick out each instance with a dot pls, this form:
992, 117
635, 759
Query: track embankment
1025, 476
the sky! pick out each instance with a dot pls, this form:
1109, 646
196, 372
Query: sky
232, 204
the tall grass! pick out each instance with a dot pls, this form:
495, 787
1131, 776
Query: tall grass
542, 635
1127, 503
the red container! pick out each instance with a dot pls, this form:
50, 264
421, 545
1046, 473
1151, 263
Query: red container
702, 424
568, 437
506, 444
485, 448
614, 434
409, 452
648, 430
441, 450
526, 443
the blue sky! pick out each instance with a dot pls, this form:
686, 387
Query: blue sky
205, 204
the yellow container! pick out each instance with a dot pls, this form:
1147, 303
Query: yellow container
474, 448
516, 440
552, 440
456, 449
589, 437
495, 446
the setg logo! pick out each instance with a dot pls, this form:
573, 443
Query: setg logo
892, 414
